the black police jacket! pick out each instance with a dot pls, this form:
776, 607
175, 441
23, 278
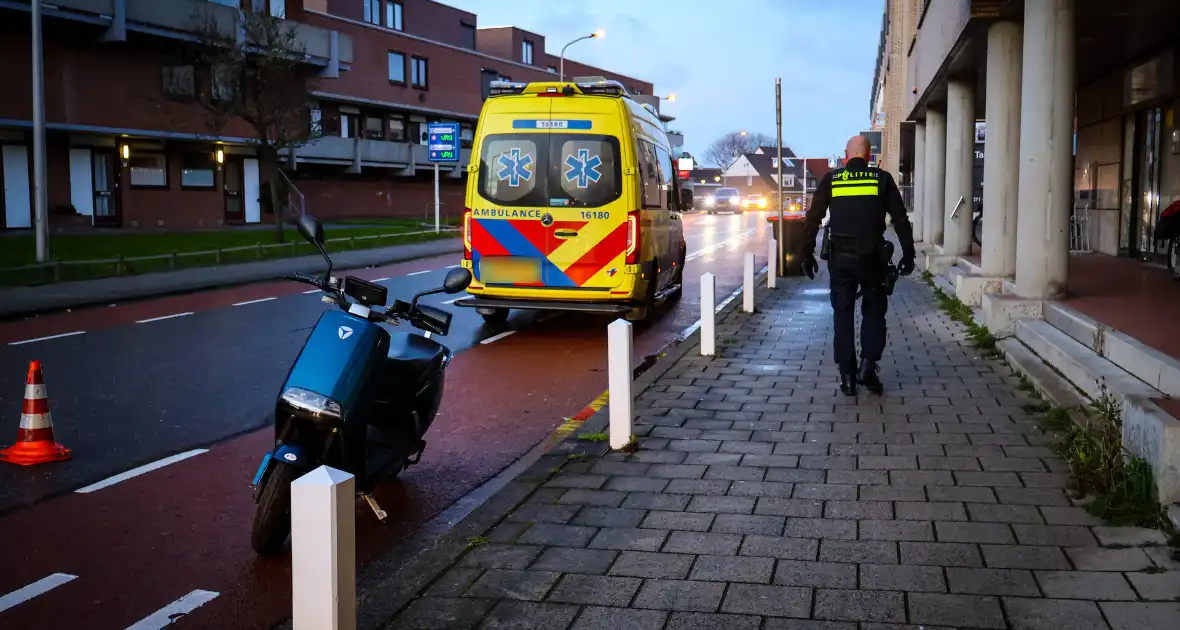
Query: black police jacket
858, 196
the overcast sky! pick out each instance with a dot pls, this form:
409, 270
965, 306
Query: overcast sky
721, 64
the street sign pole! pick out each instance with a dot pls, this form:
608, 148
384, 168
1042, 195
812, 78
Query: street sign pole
778, 102
437, 212
443, 148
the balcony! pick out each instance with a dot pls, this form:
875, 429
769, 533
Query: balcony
173, 19
361, 153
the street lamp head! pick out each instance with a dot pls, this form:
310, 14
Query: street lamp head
671, 98
599, 34
744, 133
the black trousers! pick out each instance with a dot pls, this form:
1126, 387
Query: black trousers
850, 273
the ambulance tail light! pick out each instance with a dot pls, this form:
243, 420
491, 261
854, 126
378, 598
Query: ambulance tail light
467, 234
632, 253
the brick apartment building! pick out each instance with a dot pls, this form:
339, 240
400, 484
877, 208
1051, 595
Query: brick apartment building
126, 148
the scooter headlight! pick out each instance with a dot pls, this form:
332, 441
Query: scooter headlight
321, 407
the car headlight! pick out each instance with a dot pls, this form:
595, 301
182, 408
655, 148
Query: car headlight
745, 202
710, 201
734, 200
761, 203
319, 406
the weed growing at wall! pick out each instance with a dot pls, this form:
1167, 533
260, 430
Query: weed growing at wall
979, 337
1120, 485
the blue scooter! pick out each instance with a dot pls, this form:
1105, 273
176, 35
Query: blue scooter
358, 398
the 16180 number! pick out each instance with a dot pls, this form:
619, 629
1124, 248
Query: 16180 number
600, 214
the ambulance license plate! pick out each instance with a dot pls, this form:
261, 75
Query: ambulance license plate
509, 270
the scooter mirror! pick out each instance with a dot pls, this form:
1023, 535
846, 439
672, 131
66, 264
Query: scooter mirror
456, 280
311, 229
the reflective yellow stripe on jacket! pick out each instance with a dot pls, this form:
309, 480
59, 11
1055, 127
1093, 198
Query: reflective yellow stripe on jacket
854, 187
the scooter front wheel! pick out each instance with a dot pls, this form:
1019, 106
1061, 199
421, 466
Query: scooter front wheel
272, 518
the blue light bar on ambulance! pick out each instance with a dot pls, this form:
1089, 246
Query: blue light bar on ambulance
497, 88
602, 86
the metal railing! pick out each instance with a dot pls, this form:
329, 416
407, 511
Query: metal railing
1079, 228
123, 263
907, 196
295, 203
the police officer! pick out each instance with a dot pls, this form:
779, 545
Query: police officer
858, 196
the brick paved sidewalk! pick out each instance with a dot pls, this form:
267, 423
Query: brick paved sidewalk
762, 498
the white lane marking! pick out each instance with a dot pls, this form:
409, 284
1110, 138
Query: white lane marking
156, 319
69, 334
175, 611
25, 593
310, 292
453, 300
146, 468
729, 298
380, 279
255, 301
452, 266
418, 273
497, 337
717, 246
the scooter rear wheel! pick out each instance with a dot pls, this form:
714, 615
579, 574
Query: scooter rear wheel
272, 518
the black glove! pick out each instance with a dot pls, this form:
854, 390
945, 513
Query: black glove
810, 265
906, 266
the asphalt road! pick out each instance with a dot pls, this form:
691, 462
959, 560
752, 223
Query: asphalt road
133, 389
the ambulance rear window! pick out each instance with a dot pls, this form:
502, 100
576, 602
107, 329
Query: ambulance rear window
550, 169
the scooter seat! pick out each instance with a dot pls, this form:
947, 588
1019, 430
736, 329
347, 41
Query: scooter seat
414, 357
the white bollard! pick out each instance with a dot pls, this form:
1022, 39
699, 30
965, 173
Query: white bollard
323, 550
708, 315
619, 375
748, 284
772, 265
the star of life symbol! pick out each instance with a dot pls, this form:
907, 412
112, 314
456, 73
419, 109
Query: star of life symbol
344, 332
514, 167
583, 169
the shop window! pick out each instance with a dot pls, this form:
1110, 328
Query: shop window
418, 77
396, 127
374, 128
397, 68
197, 170
148, 170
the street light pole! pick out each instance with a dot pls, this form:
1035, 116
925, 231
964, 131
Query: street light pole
40, 192
599, 34
778, 108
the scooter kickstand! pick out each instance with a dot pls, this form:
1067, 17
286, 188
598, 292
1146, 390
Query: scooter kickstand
381, 514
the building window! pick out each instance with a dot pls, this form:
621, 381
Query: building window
178, 81
418, 72
374, 128
466, 136
278, 9
196, 170
553, 69
397, 68
789, 181
149, 170
315, 117
393, 15
372, 11
349, 125
526, 52
468, 36
397, 128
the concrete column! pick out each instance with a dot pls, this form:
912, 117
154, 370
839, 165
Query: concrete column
935, 186
919, 220
960, 163
1001, 168
1046, 149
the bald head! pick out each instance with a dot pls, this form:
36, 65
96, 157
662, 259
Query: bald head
858, 147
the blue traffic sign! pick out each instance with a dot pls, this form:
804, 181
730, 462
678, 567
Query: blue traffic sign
444, 142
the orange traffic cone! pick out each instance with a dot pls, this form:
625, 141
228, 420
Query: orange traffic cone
34, 440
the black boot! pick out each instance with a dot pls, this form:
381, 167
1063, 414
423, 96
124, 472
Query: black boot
868, 376
848, 383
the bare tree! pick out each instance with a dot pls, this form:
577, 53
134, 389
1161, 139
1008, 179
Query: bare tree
251, 68
725, 150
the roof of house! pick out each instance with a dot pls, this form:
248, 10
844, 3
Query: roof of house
762, 160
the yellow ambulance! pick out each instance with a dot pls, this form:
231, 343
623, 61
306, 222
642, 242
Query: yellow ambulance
572, 203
